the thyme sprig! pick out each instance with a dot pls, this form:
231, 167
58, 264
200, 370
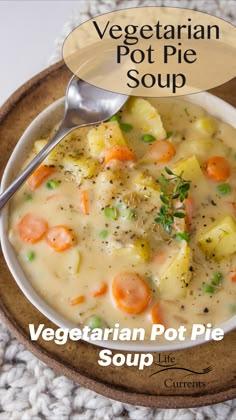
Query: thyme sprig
173, 188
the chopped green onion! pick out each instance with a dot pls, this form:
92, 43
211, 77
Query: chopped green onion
182, 236
28, 196
30, 256
110, 213
208, 289
126, 127
217, 279
103, 233
148, 138
224, 189
94, 322
169, 134
52, 184
115, 118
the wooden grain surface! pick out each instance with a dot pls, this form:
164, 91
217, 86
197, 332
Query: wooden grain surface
78, 360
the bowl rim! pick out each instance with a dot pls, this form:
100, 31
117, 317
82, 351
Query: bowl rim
26, 140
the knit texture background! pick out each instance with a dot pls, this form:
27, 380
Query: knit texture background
29, 390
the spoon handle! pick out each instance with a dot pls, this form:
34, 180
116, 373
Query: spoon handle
21, 178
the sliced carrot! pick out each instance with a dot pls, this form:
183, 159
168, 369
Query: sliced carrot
233, 275
77, 300
188, 204
32, 228
101, 290
156, 314
131, 293
52, 196
85, 202
60, 238
161, 151
217, 168
39, 176
122, 153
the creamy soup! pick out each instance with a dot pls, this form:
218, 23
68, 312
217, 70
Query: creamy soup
134, 220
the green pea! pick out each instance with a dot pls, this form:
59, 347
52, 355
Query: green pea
224, 189
148, 138
126, 127
217, 279
103, 233
30, 256
115, 118
28, 196
52, 184
182, 236
110, 213
95, 322
208, 289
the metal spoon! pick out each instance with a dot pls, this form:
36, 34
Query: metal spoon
84, 105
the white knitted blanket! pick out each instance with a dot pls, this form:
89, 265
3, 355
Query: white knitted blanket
29, 390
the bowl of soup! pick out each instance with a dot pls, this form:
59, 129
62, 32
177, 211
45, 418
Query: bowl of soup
130, 223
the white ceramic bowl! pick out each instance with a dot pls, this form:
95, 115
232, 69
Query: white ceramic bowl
43, 123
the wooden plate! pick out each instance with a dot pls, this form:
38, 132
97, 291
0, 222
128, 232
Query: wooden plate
199, 376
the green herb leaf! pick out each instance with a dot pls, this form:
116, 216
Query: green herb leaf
183, 236
169, 171
126, 127
179, 215
217, 279
169, 134
172, 188
208, 289
148, 138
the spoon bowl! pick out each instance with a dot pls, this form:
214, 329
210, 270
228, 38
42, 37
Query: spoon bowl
85, 104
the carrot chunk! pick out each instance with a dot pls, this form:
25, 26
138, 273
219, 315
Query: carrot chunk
161, 151
122, 153
233, 275
85, 202
156, 314
188, 204
130, 292
39, 176
32, 228
217, 168
101, 290
60, 238
77, 300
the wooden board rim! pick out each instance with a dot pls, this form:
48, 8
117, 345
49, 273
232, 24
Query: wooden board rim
168, 401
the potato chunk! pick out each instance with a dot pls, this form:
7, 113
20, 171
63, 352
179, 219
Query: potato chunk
190, 168
80, 167
104, 136
147, 117
175, 279
219, 240
206, 125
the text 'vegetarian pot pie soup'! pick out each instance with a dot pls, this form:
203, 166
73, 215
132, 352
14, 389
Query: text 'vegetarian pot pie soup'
134, 220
